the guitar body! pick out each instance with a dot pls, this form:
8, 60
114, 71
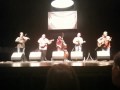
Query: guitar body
100, 44
43, 45
106, 44
79, 44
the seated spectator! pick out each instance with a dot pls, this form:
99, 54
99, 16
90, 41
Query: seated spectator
116, 70
62, 77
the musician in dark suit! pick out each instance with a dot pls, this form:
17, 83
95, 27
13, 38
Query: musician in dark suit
43, 44
104, 42
21, 40
78, 41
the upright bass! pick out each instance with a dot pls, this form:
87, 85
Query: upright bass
64, 46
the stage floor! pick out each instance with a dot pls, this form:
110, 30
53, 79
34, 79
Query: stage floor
50, 63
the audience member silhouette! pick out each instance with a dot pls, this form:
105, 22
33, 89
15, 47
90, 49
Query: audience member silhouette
62, 77
116, 70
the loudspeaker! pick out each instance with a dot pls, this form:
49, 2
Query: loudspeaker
35, 56
76, 55
17, 56
103, 55
58, 55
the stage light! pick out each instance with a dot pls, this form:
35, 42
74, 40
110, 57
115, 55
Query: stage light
76, 55
35, 56
62, 3
103, 55
58, 55
34, 64
77, 63
17, 56
16, 64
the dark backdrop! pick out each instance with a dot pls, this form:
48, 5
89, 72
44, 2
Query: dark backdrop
30, 16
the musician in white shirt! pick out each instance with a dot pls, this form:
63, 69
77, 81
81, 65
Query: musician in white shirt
104, 42
78, 41
21, 40
43, 44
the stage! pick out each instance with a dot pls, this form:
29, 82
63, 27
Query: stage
31, 75
19, 63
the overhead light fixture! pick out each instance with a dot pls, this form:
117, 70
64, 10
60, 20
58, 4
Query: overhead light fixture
62, 3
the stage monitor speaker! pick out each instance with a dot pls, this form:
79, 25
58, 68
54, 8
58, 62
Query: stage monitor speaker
35, 56
76, 55
103, 55
17, 56
58, 55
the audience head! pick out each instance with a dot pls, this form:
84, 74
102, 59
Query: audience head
62, 77
116, 70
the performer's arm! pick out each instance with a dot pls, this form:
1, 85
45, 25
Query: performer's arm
74, 41
39, 41
109, 38
58, 46
48, 41
26, 38
59, 43
17, 39
99, 39
81, 41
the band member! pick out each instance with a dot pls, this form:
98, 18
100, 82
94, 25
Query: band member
104, 41
78, 41
21, 40
62, 46
43, 44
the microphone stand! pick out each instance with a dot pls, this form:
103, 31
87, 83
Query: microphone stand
89, 57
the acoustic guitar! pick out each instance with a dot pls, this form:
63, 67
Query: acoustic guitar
78, 43
45, 44
104, 43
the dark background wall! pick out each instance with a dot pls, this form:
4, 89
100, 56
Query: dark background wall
30, 16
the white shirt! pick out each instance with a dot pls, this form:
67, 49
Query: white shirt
78, 41
43, 42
